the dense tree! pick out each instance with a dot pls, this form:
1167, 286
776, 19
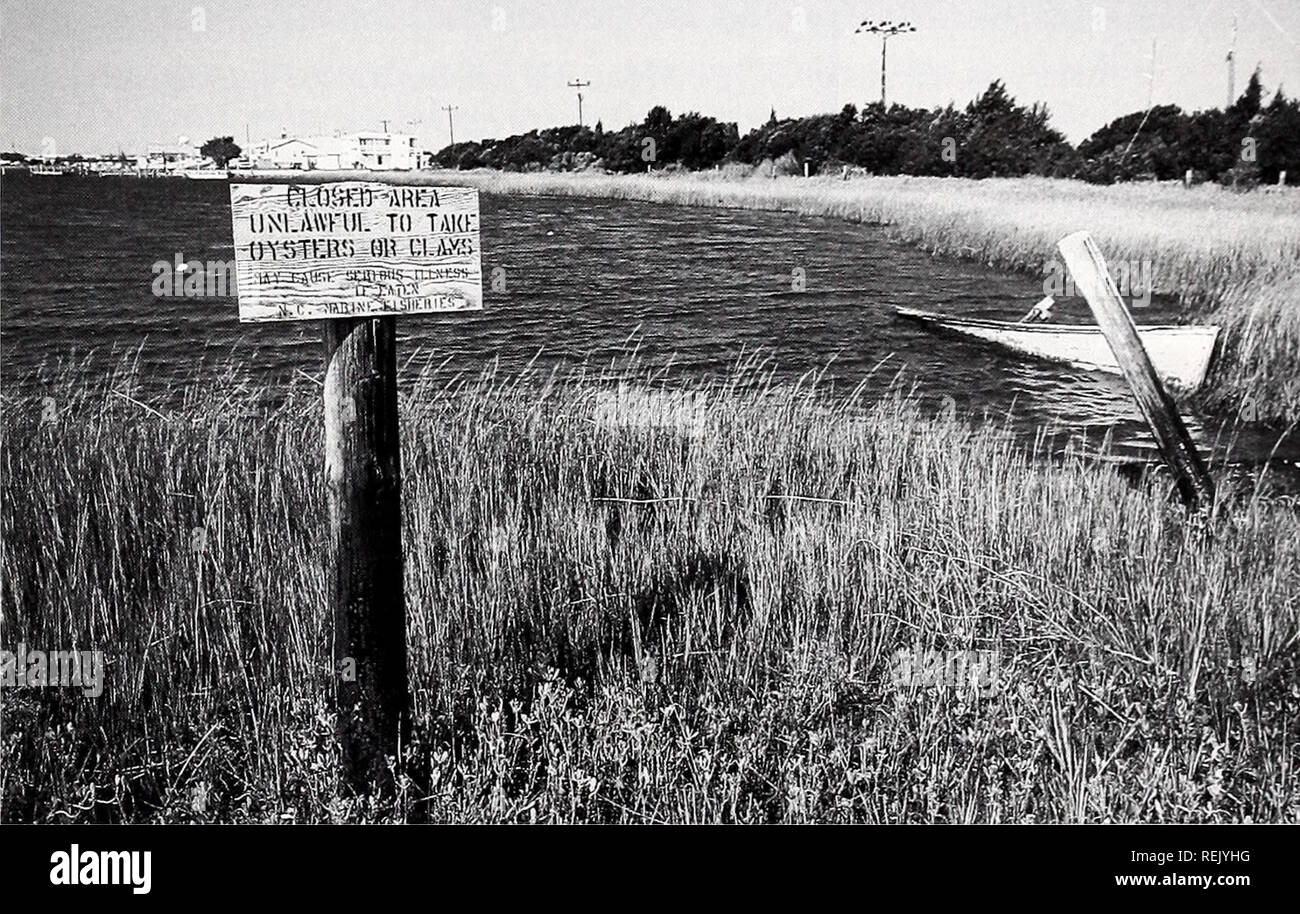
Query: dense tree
993, 135
1005, 139
1142, 144
1278, 139
659, 119
1242, 145
220, 150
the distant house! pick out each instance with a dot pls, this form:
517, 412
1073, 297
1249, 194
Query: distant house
360, 151
169, 159
297, 153
384, 151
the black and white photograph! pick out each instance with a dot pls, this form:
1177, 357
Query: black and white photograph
782, 412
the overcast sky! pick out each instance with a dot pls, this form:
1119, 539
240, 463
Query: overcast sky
99, 75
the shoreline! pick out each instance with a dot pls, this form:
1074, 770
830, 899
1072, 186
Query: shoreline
1231, 259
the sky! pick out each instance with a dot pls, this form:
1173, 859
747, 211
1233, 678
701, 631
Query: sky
95, 76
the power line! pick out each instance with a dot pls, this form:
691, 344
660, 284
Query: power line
1151, 97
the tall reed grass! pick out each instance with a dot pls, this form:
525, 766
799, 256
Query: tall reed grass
1232, 258
639, 603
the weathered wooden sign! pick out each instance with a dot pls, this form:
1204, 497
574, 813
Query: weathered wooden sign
357, 255
354, 249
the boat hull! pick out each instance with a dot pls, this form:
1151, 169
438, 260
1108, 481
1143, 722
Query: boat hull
1180, 354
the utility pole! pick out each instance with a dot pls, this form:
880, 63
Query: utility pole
885, 29
1232, 66
385, 123
1151, 77
451, 127
579, 85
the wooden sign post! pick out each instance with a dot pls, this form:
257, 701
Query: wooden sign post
363, 483
356, 255
1092, 279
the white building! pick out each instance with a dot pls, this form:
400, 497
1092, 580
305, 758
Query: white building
383, 151
364, 151
292, 152
170, 159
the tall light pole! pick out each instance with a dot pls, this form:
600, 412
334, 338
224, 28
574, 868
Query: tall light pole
451, 127
885, 29
579, 85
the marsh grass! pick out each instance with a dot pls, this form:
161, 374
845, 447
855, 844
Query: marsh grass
1231, 258
641, 602
1261, 378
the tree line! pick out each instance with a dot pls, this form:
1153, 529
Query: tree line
993, 136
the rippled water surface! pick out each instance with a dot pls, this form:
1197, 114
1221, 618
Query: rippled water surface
586, 280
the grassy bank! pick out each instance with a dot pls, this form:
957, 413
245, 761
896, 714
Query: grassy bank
1233, 258
637, 606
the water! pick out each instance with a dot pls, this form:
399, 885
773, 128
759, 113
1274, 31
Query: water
587, 281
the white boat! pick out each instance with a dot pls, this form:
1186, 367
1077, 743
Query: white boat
1180, 354
45, 170
207, 174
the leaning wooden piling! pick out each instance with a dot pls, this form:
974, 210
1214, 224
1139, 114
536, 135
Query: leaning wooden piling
1179, 452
